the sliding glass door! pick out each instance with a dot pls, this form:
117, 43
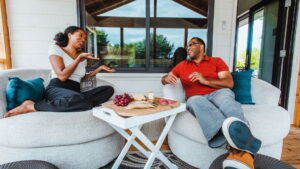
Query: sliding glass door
256, 38
264, 42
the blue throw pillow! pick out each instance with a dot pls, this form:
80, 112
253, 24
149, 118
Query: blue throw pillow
242, 86
17, 91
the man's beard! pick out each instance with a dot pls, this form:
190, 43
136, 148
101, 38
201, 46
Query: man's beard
194, 57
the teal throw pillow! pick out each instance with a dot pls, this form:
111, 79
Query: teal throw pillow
17, 91
242, 86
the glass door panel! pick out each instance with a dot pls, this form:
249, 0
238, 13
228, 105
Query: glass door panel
267, 51
256, 41
241, 44
171, 30
120, 34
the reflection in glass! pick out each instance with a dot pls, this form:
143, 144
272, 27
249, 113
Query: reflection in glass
257, 41
173, 29
167, 41
241, 49
133, 54
118, 31
132, 9
166, 8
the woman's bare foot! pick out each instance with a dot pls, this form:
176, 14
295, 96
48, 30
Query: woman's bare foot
26, 107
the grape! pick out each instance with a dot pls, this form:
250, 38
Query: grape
122, 100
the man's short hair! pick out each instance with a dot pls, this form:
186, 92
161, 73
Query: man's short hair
199, 40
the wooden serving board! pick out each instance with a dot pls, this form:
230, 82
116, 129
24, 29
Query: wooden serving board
122, 111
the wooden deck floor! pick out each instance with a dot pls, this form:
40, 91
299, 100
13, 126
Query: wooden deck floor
291, 148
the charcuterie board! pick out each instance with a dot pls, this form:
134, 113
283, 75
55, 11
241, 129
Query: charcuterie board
122, 111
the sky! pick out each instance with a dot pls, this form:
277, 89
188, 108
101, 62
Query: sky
165, 8
243, 34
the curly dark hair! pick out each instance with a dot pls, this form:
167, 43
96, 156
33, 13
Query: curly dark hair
61, 38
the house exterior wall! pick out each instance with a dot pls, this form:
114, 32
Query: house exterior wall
32, 25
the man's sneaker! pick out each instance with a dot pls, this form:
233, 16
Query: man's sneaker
237, 159
239, 136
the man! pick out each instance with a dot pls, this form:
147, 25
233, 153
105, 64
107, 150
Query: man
206, 81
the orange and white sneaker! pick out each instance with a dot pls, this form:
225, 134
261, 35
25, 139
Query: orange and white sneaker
237, 159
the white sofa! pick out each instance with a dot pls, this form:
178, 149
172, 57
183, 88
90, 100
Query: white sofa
268, 122
72, 140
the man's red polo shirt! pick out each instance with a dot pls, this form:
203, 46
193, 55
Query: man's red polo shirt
209, 67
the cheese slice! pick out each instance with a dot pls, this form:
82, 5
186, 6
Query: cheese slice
139, 105
150, 96
138, 97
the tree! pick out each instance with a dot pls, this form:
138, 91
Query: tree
101, 37
163, 48
255, 58
134, 53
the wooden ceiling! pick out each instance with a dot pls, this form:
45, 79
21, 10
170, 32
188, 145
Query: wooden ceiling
199, 6
96, 7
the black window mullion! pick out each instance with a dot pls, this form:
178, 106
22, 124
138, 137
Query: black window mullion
186, 33
81, 22
210, 27
249, 40
147, 35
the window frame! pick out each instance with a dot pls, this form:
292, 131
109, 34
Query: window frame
148, 69
4, 38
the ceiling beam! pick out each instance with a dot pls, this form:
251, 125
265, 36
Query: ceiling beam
127, 22
97, 7
199, 6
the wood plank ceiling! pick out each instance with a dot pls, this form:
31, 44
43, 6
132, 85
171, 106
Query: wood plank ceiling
97, 7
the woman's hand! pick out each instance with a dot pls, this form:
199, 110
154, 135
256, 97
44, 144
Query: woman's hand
106, 68
83, 56
103, 67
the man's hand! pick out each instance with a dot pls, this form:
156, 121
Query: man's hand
196, 76
171, 79
106, 68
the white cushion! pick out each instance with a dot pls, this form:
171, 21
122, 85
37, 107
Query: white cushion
44, 129
174, 92
268, 123
263, 92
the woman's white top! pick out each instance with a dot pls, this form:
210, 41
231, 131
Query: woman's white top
79, 71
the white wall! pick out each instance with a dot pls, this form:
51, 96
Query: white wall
224, 30
32, 25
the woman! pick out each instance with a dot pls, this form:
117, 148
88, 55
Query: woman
68, 64
180, 55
